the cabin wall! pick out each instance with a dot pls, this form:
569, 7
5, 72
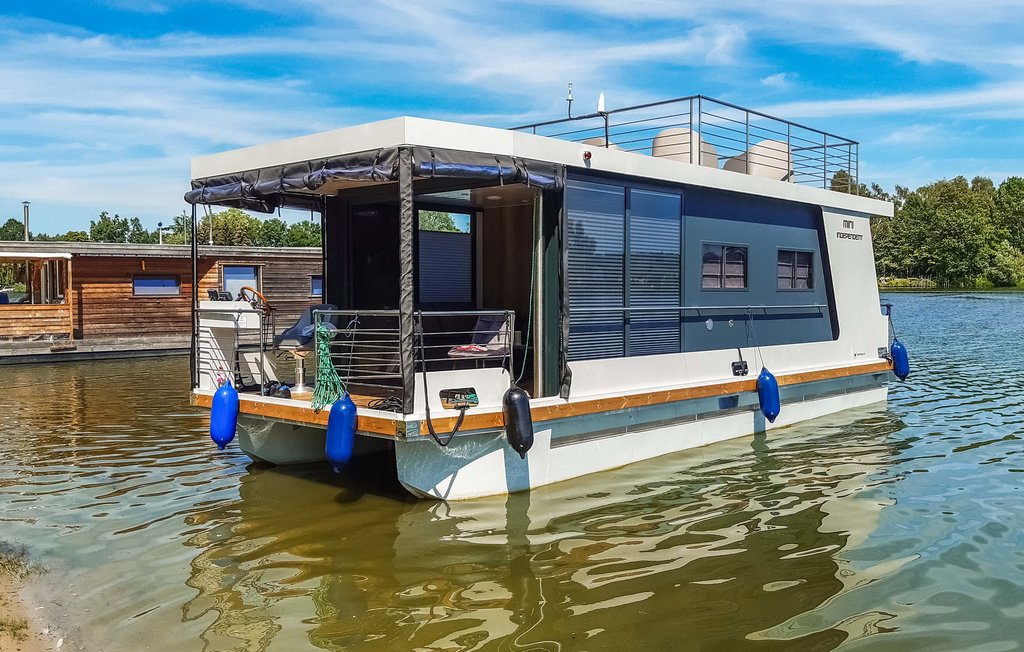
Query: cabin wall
636, 263
105, 304
764, 226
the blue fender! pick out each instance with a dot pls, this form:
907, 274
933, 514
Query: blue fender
768, 395
900, 359
341, 432
224, 415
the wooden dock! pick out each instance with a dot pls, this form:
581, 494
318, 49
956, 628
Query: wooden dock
44, 351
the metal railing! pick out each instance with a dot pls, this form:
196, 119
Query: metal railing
705, 131
243, 339
697, 309
366, 348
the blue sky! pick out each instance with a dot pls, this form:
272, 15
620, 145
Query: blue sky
105, 101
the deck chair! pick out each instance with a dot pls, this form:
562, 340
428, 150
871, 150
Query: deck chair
490, 340
299, 341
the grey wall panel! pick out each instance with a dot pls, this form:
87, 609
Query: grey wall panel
764, 226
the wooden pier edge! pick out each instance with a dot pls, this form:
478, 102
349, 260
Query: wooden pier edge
396, 428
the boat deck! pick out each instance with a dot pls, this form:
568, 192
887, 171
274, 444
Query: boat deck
401, 426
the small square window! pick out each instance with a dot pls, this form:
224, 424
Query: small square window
237, 277
795, 270
316, 286
723, 266
156, 286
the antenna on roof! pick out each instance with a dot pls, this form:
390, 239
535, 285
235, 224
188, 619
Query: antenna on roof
569, 100
600, 103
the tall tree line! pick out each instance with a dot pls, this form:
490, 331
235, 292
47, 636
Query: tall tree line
230, 227
956, 232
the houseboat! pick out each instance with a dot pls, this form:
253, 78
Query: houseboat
508, 308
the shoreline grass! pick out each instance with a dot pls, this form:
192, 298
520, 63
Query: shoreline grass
15, 562
15, 565
16, 628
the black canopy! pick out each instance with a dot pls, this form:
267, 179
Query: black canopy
294, 184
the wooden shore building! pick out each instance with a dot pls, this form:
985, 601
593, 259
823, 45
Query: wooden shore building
108, 300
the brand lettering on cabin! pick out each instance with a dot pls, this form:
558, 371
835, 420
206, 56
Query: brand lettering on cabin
847, 235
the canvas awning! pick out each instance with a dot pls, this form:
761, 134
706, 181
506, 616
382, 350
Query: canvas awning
295, 185
8, 256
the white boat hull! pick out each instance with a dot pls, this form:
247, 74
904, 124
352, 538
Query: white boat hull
483, 464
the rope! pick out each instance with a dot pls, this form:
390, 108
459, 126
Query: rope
329, 385
753, 330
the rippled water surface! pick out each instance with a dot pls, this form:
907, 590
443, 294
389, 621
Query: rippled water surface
889, 528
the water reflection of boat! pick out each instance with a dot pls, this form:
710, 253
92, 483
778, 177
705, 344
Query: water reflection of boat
631, 290
703, 544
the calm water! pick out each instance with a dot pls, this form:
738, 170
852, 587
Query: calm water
897, 528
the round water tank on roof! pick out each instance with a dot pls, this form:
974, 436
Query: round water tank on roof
769, 159
676, 143
599, 141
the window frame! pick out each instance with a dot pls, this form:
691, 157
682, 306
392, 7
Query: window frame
793, 277
149, 295
256, 266
721, 272
313, 294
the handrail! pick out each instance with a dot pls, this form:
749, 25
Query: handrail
686, 98
724, 133
696, 308
368, 351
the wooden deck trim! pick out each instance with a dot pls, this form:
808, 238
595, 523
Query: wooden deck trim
494, 420
303, 415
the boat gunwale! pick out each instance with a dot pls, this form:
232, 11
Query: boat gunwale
399, 426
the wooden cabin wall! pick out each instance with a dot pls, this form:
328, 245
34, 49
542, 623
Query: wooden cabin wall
106, 307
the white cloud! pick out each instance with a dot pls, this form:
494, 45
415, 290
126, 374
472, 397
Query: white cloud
778, 81
916, 133
965, 102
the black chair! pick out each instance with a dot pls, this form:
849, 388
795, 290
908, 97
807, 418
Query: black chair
300, 341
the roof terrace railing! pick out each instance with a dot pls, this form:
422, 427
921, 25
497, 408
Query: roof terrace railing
705, 131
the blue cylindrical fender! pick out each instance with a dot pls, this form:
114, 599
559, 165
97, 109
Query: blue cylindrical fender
768, 395
518, 420
900, 359
341, 432
224, 415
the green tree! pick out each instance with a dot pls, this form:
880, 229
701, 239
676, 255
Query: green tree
954, 225
233, 227
75, 236
178, 233
109, 229
1009, 210
139, 234
12, 229
1006, 268
303, 234
272, 233
436, 221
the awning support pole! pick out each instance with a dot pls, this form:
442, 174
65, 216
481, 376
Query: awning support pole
192, 359
405, 279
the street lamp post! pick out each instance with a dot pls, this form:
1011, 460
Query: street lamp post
160, 228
